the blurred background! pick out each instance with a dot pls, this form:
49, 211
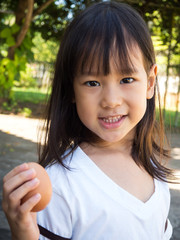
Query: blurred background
30, 35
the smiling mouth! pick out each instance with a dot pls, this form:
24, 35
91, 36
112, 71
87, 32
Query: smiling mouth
112, 119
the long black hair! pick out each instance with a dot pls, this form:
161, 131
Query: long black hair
90, 39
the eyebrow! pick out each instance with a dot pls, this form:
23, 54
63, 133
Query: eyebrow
127, 71
90, 74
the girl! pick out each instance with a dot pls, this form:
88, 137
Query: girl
103, 150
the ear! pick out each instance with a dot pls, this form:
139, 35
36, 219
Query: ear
151, 81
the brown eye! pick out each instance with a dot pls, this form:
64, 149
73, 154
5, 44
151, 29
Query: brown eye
127, 80
92, 84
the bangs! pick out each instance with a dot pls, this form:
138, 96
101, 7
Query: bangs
98, 54
103, 40
102, 34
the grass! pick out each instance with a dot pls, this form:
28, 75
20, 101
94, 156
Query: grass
31, 95
169, 120
28, 102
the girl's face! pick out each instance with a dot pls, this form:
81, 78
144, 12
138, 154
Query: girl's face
111, 106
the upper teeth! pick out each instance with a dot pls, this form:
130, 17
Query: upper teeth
112, 119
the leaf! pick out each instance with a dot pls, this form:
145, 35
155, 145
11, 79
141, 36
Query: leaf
10, 41
15, 28
5, 33
11, 67
27, 43
2, 79
5, 61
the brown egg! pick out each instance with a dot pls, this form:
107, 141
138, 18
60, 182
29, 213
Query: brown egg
44, 187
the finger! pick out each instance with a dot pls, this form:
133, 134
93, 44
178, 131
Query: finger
16, 181
16, 196
15, 171
34, 215
27, 206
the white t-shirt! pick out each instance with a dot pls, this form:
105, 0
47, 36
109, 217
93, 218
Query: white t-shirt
87, 205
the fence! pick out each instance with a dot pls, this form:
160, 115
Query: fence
42, 72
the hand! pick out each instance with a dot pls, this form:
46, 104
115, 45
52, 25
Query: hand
16, 184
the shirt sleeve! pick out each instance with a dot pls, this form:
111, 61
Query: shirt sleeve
55, 219
168, 232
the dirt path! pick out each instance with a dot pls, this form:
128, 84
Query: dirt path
18, 138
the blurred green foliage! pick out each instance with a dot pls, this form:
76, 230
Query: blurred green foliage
44, 50
43, 37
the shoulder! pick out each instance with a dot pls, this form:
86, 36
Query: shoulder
56, 218
163, 187
59, 175
163, 195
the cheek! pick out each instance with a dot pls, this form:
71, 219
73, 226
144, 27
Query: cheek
138, 104
83, 109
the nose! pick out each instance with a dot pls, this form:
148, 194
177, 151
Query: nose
111, 97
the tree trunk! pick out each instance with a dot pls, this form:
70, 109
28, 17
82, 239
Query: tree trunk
168, 64
25, 13
29, 4
177, 105
20, 11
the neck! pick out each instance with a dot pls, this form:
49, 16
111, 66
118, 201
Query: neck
123, 145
